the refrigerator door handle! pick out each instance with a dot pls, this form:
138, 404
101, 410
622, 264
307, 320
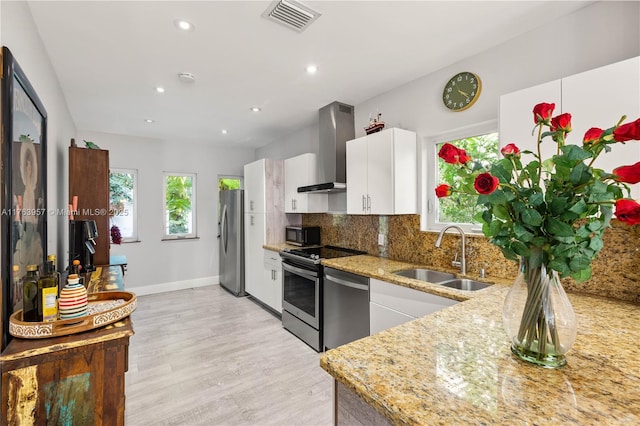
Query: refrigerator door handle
224, 232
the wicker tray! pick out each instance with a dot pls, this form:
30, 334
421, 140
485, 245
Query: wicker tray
104, 308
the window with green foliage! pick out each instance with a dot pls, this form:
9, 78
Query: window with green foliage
123, 202
481, 144
225, 183
460, 208
179, 205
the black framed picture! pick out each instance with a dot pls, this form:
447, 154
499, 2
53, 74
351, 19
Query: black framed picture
24, 185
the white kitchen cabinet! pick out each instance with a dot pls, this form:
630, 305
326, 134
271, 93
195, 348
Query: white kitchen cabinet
302, 171
273, 280
254, 232
382, 173
594, 98
598, 98
254, 186
264, 224
391, 304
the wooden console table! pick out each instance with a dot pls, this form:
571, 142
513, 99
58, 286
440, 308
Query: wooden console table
76, 379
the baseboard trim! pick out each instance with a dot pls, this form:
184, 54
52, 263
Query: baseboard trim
174, 285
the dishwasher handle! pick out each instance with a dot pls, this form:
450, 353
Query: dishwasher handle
346, 283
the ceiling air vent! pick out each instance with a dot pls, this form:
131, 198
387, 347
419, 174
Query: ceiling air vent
292, 14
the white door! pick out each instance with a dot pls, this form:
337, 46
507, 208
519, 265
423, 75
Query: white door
254, 189
380, 172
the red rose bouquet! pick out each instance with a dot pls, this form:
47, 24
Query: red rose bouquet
550, 214
551, 211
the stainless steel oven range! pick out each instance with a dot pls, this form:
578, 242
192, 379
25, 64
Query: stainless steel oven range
302, 290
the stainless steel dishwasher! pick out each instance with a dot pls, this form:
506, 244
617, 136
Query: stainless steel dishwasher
346, 307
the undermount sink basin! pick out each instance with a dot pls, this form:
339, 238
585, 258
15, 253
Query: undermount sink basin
464, 284
427, 275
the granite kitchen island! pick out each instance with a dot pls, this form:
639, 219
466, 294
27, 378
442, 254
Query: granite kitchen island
455, 367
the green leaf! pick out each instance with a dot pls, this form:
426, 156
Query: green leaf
508, 253
502, 170
497, 197
582, 275
580, 174
561, 266
557, 228
557, 205
536, 199
501, 212
531, 217
522, 233
575, 153
596, 244
578, 263
579, 207
520, 248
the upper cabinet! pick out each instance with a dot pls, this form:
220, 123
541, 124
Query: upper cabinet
595, 98
254, 187
302, 171
382, 173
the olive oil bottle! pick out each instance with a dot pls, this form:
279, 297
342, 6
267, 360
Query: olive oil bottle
30, 295
48, 293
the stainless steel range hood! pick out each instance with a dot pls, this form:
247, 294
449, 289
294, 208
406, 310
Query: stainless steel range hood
335, 127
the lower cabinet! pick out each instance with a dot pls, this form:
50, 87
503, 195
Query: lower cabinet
272, 281
391, 305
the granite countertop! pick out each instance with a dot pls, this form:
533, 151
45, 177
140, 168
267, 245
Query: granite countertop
455, 366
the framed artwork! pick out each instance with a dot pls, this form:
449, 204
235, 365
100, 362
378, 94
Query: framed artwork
24, 185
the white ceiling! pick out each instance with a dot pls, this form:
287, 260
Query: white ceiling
110, 55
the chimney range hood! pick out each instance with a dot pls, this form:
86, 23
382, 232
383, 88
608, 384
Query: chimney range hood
335, 127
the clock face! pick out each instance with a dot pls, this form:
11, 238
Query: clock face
462, 91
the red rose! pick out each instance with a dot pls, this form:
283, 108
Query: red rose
452, 154
627, 132
628, 174
542, 112
628, 211
443, 190
463, 157
592, 135
510, 150
561, 122
485, 183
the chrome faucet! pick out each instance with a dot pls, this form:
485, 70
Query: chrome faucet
463, 259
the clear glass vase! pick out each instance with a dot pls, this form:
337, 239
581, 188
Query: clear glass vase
538, 316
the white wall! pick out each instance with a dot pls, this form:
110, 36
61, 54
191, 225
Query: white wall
156, 265
299, 142
16, 33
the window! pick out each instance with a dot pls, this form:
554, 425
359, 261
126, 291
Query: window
229, 182
123, 192
179, 205
458, 208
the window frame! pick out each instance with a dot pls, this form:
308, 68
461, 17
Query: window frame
194, 229
429, 202
134, 204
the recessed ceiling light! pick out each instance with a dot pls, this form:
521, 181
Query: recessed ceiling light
223, 131
256, 109
312, 69
184, 25
148, 120
160, 89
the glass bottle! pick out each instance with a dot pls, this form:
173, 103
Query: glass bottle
52, 258
48, 293
30, 295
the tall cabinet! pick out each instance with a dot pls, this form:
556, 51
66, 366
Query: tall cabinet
89, 180
264, 224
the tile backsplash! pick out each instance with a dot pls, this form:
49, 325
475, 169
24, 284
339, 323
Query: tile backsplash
616, 270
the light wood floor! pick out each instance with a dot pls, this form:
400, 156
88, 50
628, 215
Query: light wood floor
204, 357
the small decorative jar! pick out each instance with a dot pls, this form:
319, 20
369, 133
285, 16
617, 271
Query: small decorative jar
73, 299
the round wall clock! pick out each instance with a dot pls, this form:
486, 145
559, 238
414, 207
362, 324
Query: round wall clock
461, 91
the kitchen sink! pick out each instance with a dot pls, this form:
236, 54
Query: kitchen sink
464, 284
427, 275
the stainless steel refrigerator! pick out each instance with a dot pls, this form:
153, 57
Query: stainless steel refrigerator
232, 241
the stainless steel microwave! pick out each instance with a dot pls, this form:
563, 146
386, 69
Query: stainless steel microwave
302, 235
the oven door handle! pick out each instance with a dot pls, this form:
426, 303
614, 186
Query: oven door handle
346, 283
304, 272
